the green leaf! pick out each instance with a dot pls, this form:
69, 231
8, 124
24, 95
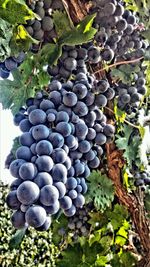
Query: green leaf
144, 147
119, 114
128, 144
117, 216
101, 260
127, 259
106, 242
147, 54
13, 94
17, 238
122, 234
21, 40
101, 190
50, 53
80, 34
29, 77
56, 226
72, 255
146, 64
97, 218
125, 72
146, 34
142, 131
90, 252
125, 174
61, 22
15, 12
94, 237
43, 78
6, 32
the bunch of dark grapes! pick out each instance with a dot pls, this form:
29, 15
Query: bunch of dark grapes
10, 64
64, 132
69, 63
42, 29
129, 96
119, 31
142, 179
75, 60
78, 224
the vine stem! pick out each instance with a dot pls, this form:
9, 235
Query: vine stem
119, 63
129, 123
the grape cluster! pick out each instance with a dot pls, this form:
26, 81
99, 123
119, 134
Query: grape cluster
63, 137
78, 224
142, 178
118, 30
10, 64
43, 29
129, 96
74, 61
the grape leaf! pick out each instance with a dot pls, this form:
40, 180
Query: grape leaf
13, 94
33, 73
80, 34
61, 22
90, 252
43, 78
106, 242
119, 114
100, 190
125, 177
117, 216
101, 260
72, 255
127, 259
147, 54
16, 11
122, 234
97, 217
80, 255
50, 53
147, 74
143, 10
128, 144
21, 40
17, 238
125, 73
144, 148
146, 34
62, 222
6, 32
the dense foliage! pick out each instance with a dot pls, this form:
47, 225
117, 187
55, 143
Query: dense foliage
75, 75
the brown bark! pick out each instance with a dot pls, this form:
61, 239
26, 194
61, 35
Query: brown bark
134, 203
77, 9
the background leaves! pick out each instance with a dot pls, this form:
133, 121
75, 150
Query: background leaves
15, 11
100, 190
